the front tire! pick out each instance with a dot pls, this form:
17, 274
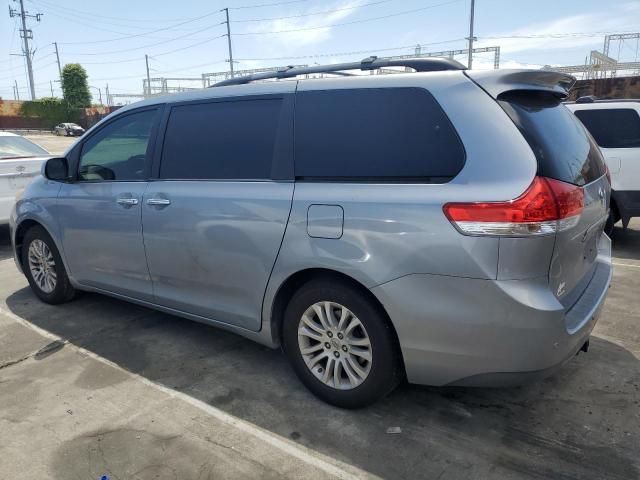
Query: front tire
340, 344
43, 267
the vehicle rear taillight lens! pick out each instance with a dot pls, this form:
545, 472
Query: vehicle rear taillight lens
546, 207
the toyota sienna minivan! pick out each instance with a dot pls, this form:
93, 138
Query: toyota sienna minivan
443, 226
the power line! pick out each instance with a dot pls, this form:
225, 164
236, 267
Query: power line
383, 17
260, 5
553, 35
93, 15
150, 44
353, 52
161, 72
146, 33
312, 14
137, 59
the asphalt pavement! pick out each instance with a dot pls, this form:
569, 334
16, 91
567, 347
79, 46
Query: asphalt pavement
103, 387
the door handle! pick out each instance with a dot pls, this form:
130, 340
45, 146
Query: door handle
162, 202
127, 202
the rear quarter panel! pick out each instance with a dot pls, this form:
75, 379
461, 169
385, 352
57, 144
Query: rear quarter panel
392, 230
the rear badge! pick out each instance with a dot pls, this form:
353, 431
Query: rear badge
601, 195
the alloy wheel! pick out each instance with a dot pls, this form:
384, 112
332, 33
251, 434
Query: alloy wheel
335, 345
42, 266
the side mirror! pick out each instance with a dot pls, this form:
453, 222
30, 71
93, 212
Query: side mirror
56, 169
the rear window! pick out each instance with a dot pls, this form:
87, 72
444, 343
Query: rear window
612, 128
391, 133
564, 149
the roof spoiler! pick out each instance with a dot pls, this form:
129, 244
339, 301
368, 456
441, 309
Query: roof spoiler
496, 82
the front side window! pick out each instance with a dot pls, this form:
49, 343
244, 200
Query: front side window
221, 140
612, 128
118, 152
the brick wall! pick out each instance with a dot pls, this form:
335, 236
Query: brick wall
603, 88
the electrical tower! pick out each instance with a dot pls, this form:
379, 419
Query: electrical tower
26, 34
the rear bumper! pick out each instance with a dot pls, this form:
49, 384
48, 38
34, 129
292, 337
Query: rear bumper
472, 332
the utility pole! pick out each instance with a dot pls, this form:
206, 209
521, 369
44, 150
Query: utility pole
107, 93
17, 91
55, 44
226, 11
51, 85
471, 37
148, 89
26, 35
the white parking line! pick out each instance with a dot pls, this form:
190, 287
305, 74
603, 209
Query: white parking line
322, 462
625, 265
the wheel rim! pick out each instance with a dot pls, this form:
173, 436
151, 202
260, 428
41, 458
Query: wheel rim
42, 266
335, 345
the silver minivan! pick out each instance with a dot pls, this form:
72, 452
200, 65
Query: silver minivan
443, 226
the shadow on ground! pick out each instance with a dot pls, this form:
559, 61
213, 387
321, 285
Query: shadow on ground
5, 243
577, 424
627, 241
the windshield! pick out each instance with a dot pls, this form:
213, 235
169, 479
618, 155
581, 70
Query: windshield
11, 147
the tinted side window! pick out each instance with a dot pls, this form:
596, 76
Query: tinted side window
399, 133
562, 146
612, 128
221, 140
119, 150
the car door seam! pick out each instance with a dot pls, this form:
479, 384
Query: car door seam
144, 245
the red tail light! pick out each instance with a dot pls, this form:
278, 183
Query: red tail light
547, 206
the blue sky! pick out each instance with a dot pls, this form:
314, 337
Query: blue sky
110, 38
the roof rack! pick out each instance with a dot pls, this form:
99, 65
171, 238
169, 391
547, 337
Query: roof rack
431, 64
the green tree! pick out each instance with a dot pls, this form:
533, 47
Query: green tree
75, 88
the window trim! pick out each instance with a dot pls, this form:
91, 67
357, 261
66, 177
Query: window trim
282, 162
151, 145
386, 179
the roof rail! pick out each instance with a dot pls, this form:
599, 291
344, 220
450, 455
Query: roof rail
431, 64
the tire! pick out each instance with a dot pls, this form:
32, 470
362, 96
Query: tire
40, 245
612, 219
375, 378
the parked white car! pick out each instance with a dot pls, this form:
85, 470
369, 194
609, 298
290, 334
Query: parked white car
20, 161
615, 126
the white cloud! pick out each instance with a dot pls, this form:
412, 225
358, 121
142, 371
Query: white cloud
623, 18
308, 30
